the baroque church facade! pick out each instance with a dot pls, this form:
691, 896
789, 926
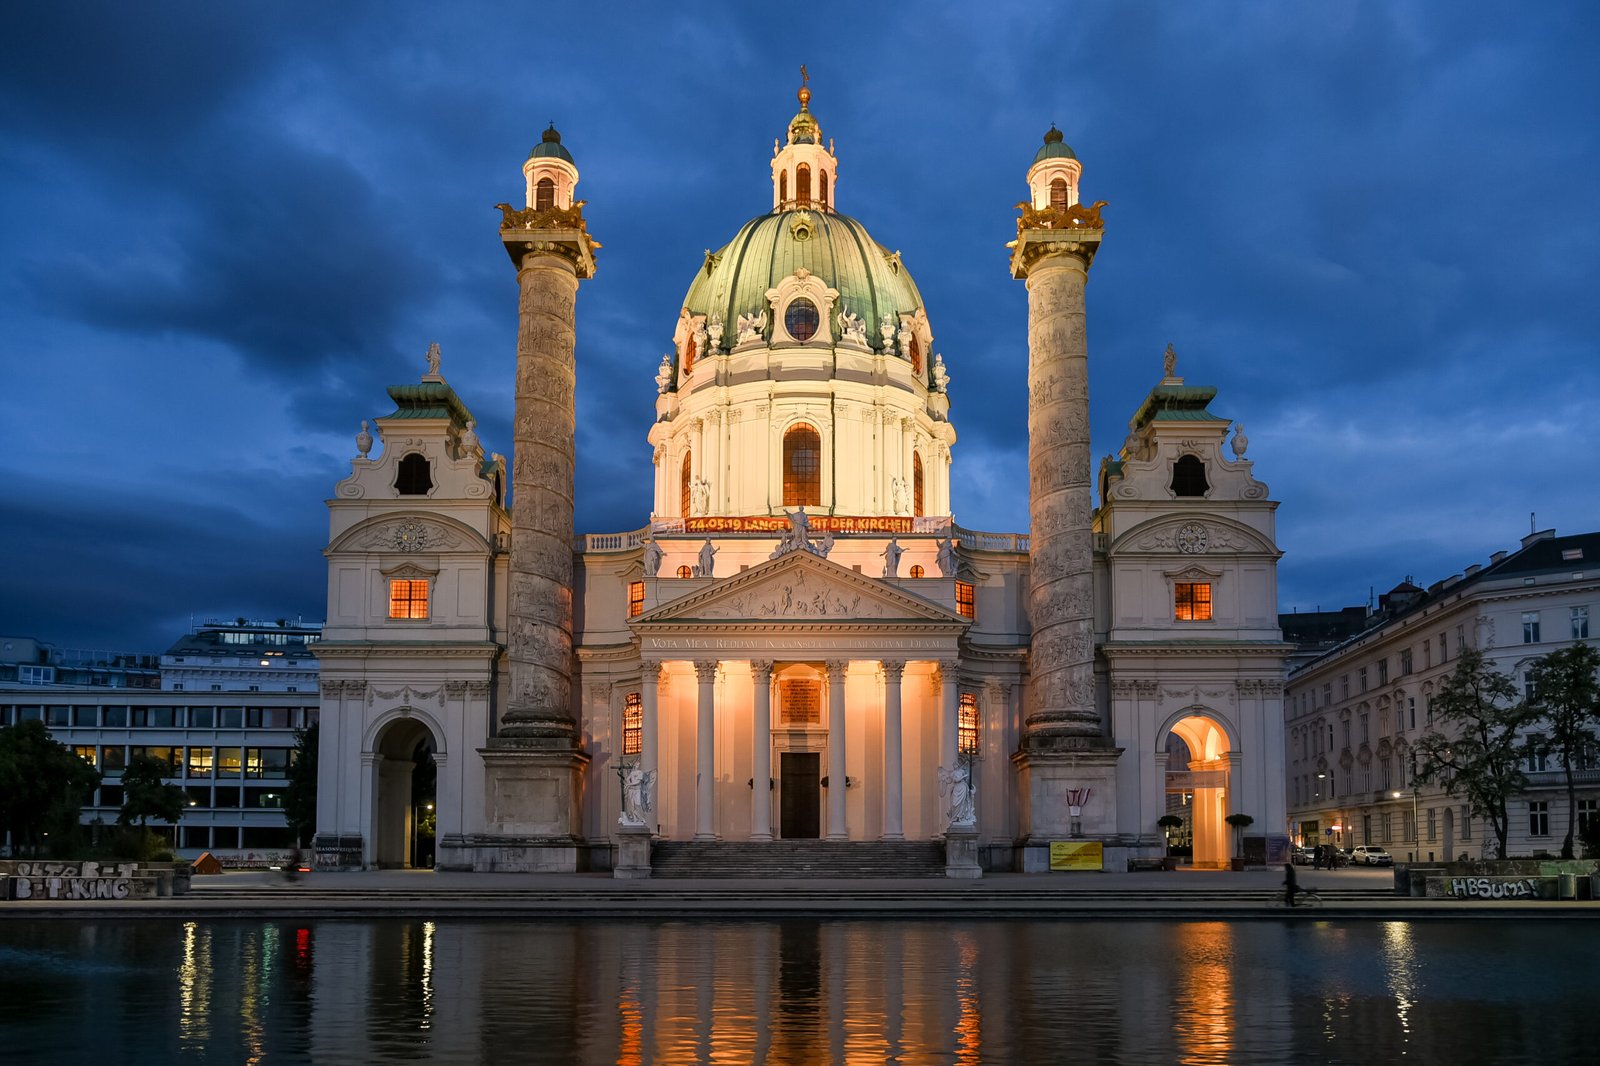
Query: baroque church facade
799, 643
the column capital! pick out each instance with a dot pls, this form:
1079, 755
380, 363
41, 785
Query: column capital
647, 665
706, 670
893, 669
1068, 246
837, 667
762, 669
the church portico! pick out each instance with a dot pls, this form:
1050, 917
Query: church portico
847, 748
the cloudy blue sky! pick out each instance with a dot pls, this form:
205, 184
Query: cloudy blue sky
226, 229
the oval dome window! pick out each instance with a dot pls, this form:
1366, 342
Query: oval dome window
801, 319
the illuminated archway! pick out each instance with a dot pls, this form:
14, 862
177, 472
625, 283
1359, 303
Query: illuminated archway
1198, 778
404, 811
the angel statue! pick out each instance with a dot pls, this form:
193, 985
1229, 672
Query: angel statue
751, 325
636, 782
433, 359
852, 328
957, 784
946, 559
653, 556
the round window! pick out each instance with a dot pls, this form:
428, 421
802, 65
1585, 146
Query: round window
801, 319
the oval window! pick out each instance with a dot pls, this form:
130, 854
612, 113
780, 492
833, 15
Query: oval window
801, 319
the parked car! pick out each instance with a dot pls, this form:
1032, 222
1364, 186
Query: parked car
1301, 857
1366, 856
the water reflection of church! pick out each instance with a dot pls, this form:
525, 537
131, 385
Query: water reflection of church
801, 638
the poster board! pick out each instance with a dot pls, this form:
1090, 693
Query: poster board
1076, 855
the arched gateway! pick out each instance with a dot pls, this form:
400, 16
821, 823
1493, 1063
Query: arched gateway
404, 805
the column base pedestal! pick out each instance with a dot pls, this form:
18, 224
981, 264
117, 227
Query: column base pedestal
961, 853
1046, 783
633, 853
531, 797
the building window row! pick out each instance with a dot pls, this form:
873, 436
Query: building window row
182, 761
82, 716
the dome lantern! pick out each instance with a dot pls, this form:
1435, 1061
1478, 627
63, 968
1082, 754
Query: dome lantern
804, 173
550, 174
1053, 177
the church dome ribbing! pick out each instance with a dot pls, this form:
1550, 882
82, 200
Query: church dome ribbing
872, 282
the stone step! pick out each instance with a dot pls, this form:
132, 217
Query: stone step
797, 858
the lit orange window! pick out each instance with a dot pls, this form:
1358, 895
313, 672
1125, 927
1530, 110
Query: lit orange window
967, 725
633, 725
783, 187
1058, 194
965, 603
822, 188
635, 598
1194, 602
408, 598
802, 466
916, 570
916, 484
685, 482
802, 185
686, 571
544, 195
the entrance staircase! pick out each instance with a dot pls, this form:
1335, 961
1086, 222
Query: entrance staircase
797, 859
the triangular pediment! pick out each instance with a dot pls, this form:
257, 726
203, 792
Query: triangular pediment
799, 587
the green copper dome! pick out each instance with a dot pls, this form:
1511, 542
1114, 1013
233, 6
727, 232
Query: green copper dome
871, 281
1055, 147
550, 145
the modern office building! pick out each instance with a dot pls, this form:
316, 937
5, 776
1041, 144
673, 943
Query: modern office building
229, 748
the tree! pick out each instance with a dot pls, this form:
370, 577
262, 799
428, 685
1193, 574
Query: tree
1478, 757
146, 794
1240, 823
1567, 699
300, 804
41, 782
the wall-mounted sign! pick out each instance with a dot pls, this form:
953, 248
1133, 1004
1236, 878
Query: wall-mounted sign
780, 524
1076, 855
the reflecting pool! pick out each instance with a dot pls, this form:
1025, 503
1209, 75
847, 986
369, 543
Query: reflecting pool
798, 991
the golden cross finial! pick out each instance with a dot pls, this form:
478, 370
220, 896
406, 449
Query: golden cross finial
805, 79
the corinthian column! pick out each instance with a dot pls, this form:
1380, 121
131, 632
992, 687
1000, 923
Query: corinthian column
1053, 256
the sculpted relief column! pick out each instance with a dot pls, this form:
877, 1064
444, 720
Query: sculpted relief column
535, 765
1062, 734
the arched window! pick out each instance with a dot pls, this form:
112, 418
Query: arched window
689, 353
916, 484
1058, 194
414, 478
914, 349
917, 570
802, 466
1189, 476
684, 480
802, 185
544, 194
686, 571
783, 188
967, 725
822, 188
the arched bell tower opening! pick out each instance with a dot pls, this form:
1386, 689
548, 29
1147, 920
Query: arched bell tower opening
1197, 787
405, 809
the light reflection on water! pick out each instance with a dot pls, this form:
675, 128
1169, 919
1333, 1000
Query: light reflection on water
797, 991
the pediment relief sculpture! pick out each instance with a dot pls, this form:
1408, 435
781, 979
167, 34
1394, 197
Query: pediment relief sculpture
409, 534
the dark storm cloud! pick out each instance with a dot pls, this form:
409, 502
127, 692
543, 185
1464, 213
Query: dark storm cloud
1372, 226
